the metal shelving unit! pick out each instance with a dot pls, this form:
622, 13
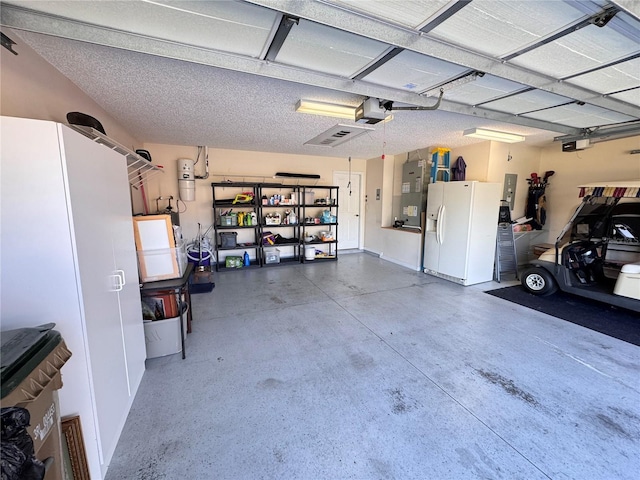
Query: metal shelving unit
139, 169
293, 198
224, 195
329, 201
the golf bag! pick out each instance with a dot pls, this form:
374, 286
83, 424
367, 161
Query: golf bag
536, 208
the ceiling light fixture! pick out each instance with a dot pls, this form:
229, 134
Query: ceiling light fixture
326, 109
493, 135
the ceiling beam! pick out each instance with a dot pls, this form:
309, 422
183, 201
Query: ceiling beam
23, 19
419, 42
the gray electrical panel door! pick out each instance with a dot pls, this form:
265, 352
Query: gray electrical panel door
414, 192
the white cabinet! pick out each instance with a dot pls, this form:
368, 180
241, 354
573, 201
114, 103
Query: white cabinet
68, 257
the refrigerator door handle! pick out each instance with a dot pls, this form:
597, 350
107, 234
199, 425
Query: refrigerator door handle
441, 217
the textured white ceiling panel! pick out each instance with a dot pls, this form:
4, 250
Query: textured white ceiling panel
498, 27
580, 116
527, 102
630, 96
588, 48
482, 89
611, 79
325, 49
409, 13
233, 27
414, 72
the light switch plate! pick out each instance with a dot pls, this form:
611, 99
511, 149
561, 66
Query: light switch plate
509, 192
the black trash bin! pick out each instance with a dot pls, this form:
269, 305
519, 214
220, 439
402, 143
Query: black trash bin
30, 377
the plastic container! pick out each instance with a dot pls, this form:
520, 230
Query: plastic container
228, 239
229, 220
162, 337
162, 264
199, 258
272, 255
31, 363
309, 252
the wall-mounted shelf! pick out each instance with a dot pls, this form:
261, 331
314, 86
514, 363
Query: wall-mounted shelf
138, 169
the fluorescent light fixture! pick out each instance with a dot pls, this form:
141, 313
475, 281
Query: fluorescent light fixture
326, 109
493, 135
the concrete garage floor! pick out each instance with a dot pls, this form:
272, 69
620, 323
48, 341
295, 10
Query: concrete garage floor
361, 369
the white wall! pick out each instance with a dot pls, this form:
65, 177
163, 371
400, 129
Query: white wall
604, 161
33, 88
235, 165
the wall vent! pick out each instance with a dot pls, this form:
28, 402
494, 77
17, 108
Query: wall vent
337, 135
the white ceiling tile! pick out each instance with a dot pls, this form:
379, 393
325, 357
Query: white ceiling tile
587, 48
499, 27
580, 116
233, 27
409, 13
630, 96
325, 49
611, 79
527, 102
482, 89
414, 72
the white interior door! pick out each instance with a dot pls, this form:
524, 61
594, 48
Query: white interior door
348, 209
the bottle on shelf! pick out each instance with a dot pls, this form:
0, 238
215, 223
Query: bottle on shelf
246, 260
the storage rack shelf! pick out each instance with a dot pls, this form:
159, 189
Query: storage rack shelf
138, 169
285, 207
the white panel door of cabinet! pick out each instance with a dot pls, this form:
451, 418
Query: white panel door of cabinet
91, 213
126, 264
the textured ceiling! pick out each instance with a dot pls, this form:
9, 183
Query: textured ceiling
198, 85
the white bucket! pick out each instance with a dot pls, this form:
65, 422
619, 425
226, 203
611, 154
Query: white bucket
309, 252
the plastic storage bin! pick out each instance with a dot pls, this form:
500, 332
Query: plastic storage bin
162, 337
228, 239
229, 220
272, 255
162, 264
31, 363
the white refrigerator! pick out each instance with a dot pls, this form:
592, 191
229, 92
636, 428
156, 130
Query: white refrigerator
461, 229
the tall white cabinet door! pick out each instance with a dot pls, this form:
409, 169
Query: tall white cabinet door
453, 252
90, 197
126, 263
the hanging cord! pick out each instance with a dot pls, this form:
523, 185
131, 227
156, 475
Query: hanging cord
202, 150
349, 184
384, 137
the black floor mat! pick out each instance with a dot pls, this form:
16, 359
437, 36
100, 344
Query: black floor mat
601, 317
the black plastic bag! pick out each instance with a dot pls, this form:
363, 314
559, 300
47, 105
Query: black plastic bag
17, 459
